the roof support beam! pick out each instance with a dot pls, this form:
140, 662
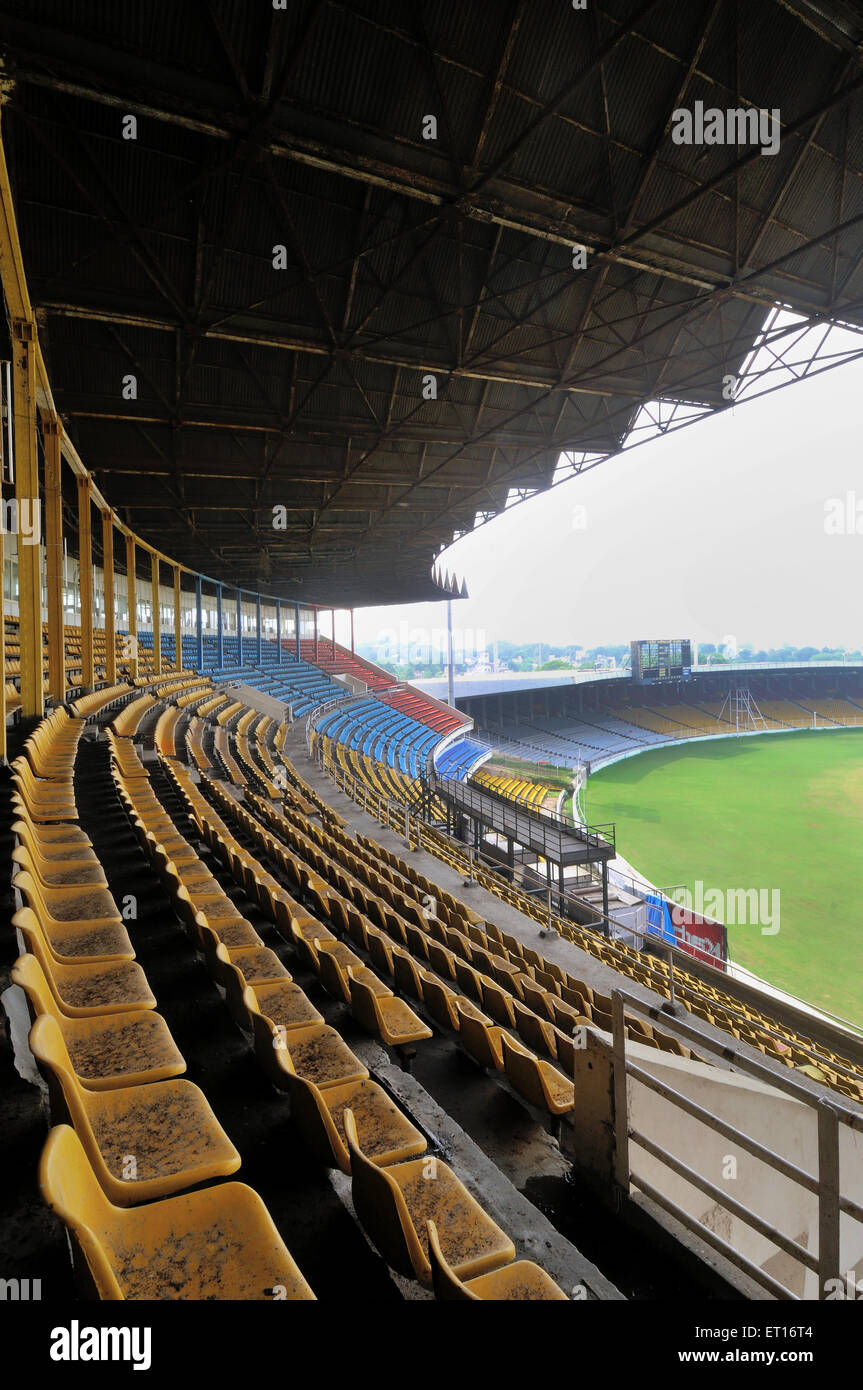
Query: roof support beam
54, 557
27, 501
108, 576
85, 580
471, 372
132, 605
156, 606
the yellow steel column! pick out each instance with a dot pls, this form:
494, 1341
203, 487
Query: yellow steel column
27, 500
132, 605
2, 647
110, 622
178, 619
85, 580
54, 558
157, 616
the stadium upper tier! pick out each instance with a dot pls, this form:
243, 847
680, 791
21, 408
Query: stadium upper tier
509, 682
298, 683
377, 731
332, 657
575, 741
608, 715
396, 726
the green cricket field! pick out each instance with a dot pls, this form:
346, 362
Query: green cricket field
770, 812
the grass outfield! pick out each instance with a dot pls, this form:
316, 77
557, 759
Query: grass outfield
772, 811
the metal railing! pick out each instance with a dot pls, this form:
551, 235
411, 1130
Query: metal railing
390, 814
525, 802
824, 1185
477, 799
670, 976
319, 712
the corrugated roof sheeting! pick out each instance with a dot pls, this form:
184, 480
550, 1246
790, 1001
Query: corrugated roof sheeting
134, 26
350, 69
178, 228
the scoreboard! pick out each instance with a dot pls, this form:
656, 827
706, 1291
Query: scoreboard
656, 661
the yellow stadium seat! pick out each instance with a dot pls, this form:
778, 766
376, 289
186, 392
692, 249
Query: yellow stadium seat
416, 941
142, 1141
386, 1135
536, 997
440, 999
81, 991
521, 1281
358, 929
80, 903
218, 1243
46, 801
62, 838
105, 1051
380, 950
481, 1037
566, 1016
254, 964
384, 1015
313, 1050
406, 974
538, 1081
395, 1204
468, 979
52, 867
283, 1003
74, 942
442, 960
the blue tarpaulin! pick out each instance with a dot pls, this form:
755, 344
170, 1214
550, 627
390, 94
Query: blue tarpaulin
659, 918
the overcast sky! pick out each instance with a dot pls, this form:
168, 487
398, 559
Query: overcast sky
716, 531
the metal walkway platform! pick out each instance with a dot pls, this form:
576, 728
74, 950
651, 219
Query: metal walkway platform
556, 839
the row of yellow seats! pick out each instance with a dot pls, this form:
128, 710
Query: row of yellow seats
536, 1080
577, 996
194, 739
265, 889
650, 972
254, 770
471, 1244
388, 1017
129, 719
518, 789
277, 777
690, 989
558, 1002
111, 1065
406, 922
195, 696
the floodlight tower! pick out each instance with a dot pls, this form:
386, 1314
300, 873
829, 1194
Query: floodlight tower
450, 684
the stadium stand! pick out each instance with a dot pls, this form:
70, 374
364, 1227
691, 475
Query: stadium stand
251, 930
533, 794
842, 712
355, 915
458, 760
